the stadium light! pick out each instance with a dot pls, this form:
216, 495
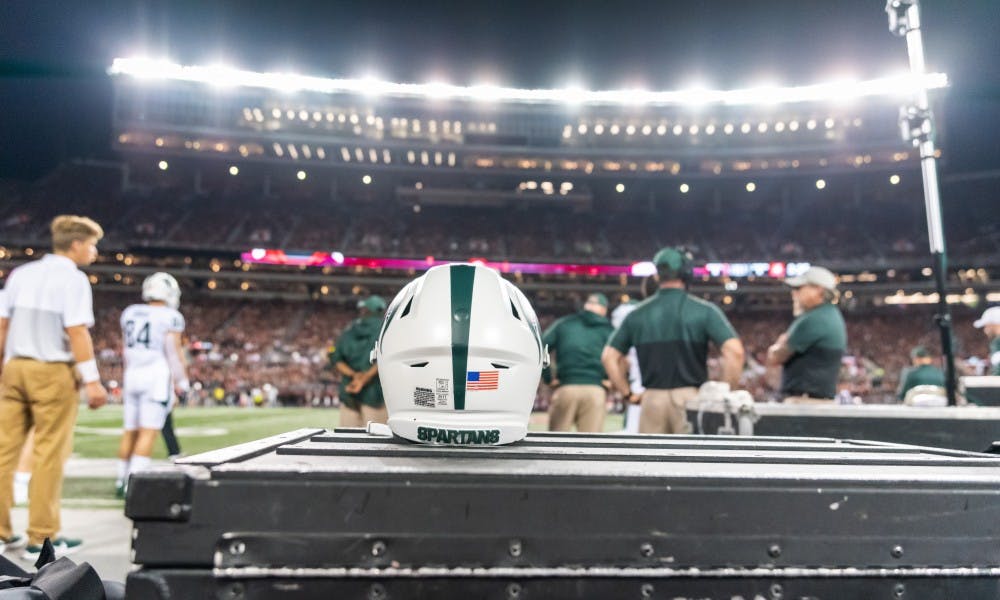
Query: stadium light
895, 85
899, 20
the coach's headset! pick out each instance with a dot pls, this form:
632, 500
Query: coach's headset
674, 263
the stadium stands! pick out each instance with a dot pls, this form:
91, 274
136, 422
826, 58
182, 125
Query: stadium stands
873, 227
242, 345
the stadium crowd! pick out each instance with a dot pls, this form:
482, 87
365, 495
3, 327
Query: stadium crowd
874, 228
240, 348
243, 350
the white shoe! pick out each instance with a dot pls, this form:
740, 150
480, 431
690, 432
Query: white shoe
13, 543
61, 545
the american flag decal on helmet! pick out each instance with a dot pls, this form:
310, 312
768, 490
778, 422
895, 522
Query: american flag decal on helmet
482, 380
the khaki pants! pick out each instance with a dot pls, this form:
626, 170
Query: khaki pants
665, 411
44, 395
350, 417
580, 405
807, 400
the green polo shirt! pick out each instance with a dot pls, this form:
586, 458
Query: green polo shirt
818, 340
670, 332
920, 375
577, 341
354, 348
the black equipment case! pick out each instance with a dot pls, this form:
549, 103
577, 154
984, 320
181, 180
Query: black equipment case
345, 514
972, 428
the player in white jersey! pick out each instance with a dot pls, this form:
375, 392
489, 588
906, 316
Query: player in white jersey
154, 370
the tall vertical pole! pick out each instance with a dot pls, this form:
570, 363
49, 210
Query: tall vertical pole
904, 18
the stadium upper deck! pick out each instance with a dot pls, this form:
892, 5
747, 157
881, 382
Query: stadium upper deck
240, 116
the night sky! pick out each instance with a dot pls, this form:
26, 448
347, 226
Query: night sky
55, 98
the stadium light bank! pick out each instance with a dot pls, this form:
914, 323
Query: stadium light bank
902, 85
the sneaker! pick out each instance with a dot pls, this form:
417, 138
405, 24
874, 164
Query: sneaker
13, 543
61, 545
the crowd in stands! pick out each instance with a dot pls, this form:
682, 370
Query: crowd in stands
242, 347
239, 347
876, 228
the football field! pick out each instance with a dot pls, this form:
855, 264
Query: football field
199, 430
203, 429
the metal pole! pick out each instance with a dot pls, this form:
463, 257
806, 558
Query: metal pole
928, 166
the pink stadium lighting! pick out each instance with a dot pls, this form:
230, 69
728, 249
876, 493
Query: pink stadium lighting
639, 269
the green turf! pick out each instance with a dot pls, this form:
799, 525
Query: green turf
240, 425
98, 433
97, 489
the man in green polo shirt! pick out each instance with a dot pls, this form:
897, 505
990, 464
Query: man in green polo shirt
670, 332
575, 369
360, 389
923, 372
990, 324
811, 349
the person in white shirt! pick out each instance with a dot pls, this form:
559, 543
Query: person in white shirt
154, 371
45, 315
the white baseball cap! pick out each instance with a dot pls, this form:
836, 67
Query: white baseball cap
820, 276
991, 316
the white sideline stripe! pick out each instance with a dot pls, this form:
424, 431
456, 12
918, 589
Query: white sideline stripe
180, 431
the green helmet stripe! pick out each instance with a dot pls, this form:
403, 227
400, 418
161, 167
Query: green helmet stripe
462, 277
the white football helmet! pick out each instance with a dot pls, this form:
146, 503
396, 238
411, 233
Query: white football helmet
163, 287
460, 355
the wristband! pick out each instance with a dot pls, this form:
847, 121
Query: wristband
88, 371
184, 385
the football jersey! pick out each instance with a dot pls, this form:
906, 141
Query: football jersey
144, 334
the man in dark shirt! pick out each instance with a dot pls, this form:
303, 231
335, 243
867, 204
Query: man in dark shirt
671, 332
575, 341
811, 349
361, 398
923, 372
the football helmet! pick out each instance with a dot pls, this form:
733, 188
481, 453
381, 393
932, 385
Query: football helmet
460, 355
163, 287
